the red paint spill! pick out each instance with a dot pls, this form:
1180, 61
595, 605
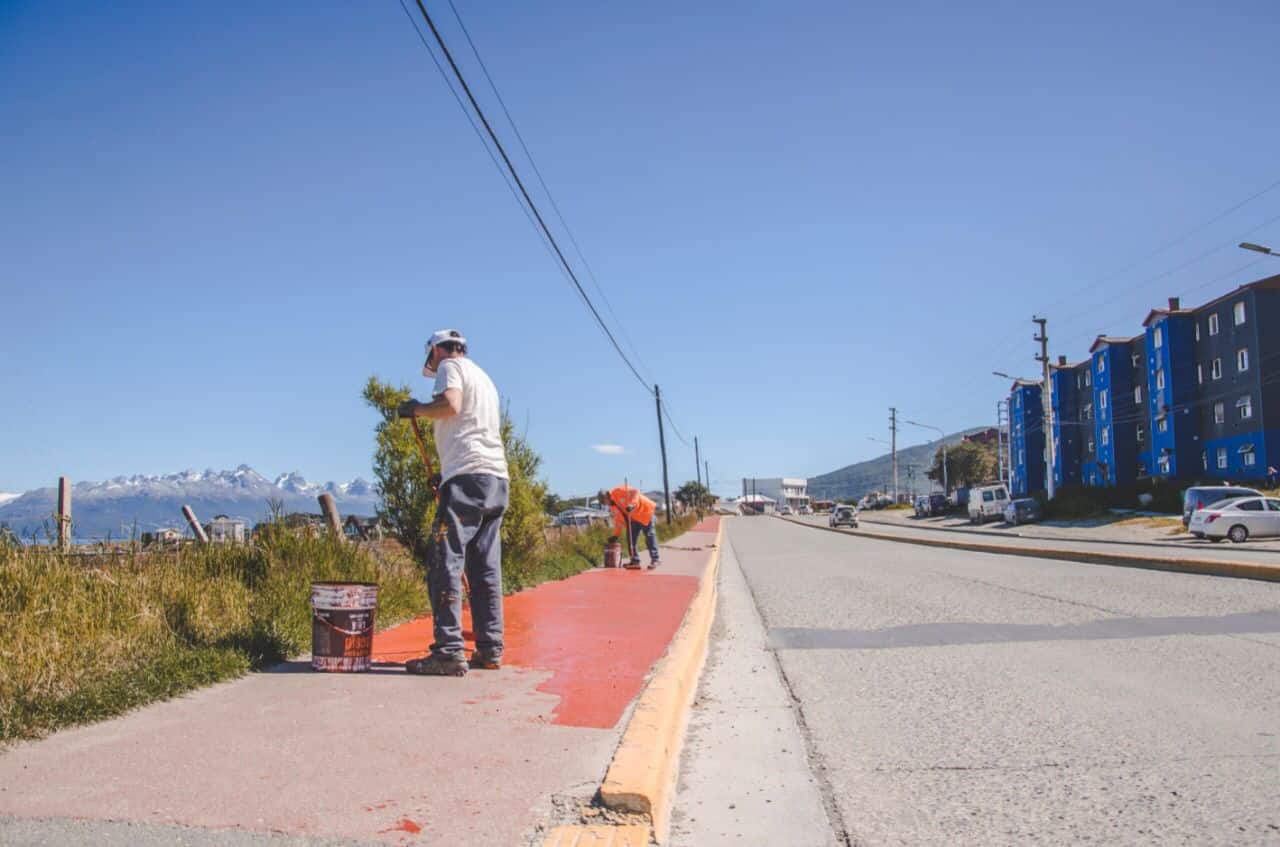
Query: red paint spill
403, 825
598, 633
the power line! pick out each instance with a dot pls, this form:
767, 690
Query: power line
493, 86
524, 192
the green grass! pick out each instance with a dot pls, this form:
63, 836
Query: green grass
89, 639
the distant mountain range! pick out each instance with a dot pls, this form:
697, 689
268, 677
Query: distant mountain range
876, 474
115, 507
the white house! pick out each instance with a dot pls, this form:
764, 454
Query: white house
794, 492
225, 530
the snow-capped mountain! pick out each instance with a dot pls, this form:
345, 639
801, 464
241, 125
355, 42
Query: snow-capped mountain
5, 498
120, 505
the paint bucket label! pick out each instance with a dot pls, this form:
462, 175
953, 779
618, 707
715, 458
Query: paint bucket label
612, 555
342, 621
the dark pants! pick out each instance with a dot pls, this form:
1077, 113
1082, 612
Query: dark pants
466, 535
650, 538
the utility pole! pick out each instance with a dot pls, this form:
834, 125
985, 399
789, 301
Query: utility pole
893, 448
697, 461
662, 442
1003, 441
64, 514
707, 469
1046, 400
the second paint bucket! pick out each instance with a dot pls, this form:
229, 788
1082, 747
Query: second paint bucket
342, 619
613, 554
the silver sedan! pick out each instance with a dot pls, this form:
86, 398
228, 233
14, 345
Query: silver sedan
1239, 519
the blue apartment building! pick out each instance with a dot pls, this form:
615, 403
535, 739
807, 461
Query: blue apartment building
1026, 438
1066, 383
1118, 366
1195, 396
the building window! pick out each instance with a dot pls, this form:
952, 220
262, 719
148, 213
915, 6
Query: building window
1199, 374
1137, 394
1215, 369
1022, 457
1157, 338
1245, 407
1136, 358
1238, 312
1162, 425
1242, 359
1142, 432
1222, 458
1160, 380
1198, 338
1250, 458
1102, 400
1088, 378
1213, 324
1219, 412
1087, 412
1102, 363
1163, 461
1090, 445
1106, 436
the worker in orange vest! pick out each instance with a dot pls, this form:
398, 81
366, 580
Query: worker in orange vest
632, 513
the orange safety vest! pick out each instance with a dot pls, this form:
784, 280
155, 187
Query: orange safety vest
641, 513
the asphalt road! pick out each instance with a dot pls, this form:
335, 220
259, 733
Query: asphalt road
955, 698
1251, 552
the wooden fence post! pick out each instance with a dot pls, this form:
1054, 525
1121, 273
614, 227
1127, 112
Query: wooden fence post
330, 509
195, 525
64, 513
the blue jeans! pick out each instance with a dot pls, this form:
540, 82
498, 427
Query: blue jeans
650, 538
467, 535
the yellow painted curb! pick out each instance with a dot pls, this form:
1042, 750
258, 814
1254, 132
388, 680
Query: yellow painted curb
1206, 567
642, 774
632, 835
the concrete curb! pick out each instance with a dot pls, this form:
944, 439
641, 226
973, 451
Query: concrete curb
642, 774
1207, 567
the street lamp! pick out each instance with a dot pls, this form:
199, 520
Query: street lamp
945, 488
1258, 248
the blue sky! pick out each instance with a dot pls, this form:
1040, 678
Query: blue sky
217, 220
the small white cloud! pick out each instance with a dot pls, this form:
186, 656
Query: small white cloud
609, 449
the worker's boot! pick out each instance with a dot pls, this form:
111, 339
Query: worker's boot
437, 665
484, 660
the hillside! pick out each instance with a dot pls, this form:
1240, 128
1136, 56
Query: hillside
858, 479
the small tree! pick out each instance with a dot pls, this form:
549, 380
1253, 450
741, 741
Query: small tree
694, 495
967, 462
409, 503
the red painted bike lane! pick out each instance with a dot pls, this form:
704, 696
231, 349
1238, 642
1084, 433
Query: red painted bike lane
385, 755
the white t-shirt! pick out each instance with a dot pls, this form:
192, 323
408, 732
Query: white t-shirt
470, 441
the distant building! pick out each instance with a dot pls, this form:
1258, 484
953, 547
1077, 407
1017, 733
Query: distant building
225, 530
794, 492
167, 535
359, 528
583, 516
986, 436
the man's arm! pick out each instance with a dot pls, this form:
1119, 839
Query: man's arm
442, 406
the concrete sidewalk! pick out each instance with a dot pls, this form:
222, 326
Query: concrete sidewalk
384, 757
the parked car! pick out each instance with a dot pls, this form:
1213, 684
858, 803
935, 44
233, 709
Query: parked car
939, 504
784, 510
921, 506
844, 516
987, 502
805, 510
1022, 510
1203, 496
1238, 519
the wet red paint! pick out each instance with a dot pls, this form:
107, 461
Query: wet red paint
404, 825
598, 633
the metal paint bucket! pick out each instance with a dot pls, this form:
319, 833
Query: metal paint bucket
342, 617
613, 554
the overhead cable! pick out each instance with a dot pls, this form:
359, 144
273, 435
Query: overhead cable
533, 207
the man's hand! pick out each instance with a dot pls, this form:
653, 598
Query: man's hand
406, 409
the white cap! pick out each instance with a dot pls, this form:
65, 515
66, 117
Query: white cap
443, 335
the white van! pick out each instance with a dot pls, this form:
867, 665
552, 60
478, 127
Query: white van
987, 502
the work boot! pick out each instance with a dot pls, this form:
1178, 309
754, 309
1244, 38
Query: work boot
437, 665
653, 563
633, 565
484, 660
